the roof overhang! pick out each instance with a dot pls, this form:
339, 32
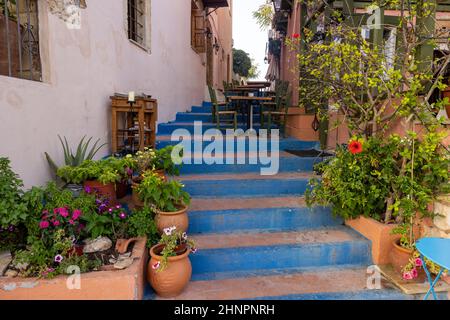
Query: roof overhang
216, 3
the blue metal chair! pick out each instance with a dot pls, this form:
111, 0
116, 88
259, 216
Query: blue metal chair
436, 250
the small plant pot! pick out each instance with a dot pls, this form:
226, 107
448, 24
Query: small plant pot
75, 189
121, 189
171, 281
178, 219
137, 202
400, 256
107, 190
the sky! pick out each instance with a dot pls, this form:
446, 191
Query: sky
246, 33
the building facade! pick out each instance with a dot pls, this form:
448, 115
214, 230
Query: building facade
61, 60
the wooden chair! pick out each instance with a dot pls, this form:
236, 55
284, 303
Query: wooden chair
281, 89
279, 116
230, 116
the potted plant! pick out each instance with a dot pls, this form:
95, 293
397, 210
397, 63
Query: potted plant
169, 269
169, 200
99, 175
75, 159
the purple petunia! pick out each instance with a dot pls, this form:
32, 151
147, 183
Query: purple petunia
59, 258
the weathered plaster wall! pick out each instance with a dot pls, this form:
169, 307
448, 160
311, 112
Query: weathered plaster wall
82, 68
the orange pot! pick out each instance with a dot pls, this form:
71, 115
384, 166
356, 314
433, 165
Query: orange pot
135, 196
171, 281
107, 190
178, 219
400, 256
446, 94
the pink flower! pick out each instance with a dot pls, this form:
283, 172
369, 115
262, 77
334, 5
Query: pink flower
76, 214
56, 223
44, 224
71, 221
122, 215
63, 212
407, 276
118, 206
418, 262
414, 273
156, 265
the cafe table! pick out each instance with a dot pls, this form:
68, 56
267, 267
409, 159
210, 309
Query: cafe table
249, 102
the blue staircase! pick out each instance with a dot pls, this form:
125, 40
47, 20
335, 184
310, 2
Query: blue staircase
256, 237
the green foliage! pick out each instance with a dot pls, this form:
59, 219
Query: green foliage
142, 223
77, 158
12, 210
264, 15
166, 196
105, 171
388, 179
241, 63
163, 160
109, 221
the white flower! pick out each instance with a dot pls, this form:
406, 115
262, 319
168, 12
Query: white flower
167, 231
184, 235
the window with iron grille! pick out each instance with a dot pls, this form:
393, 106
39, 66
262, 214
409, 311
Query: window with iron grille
138, 21
19, 39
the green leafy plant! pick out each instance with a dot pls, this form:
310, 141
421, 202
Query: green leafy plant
142, 223
386, 180
105, 171
163, 160
166, 196
109, 221
174, 243
81, 154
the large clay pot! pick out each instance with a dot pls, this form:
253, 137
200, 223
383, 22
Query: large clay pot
172, 280
446, 94
107, 190
178, 219
400, 256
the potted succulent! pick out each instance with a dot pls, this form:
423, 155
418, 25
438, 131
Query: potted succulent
169, 269
75, 159
169, 200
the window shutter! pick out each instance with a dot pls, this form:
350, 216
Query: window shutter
198, 37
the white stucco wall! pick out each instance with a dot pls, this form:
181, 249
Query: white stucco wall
82, 68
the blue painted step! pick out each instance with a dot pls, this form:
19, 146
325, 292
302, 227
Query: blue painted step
287, 164
281, 257
206, 117
208, 109
169, 128
241, 144
262, 219
264, 186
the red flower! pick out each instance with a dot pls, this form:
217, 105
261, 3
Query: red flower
296, 36
355, 147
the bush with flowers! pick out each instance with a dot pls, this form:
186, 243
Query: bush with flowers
383, 178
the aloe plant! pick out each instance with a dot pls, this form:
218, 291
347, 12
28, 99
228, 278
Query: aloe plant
77, 158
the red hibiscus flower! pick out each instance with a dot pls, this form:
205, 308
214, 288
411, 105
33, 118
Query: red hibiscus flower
355, 147
296, 36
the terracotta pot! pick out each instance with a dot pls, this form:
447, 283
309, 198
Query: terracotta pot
135, 196
121, 189
178, 219
107, 190
400, 256
446, 94
171, 281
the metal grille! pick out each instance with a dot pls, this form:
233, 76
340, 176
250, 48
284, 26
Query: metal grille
136, 21
19, 39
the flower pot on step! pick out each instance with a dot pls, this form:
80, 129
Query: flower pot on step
178, 219
400, 256
121, 189
107, 190
137, 202
172, 280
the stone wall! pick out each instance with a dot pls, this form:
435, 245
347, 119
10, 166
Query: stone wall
439, 226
